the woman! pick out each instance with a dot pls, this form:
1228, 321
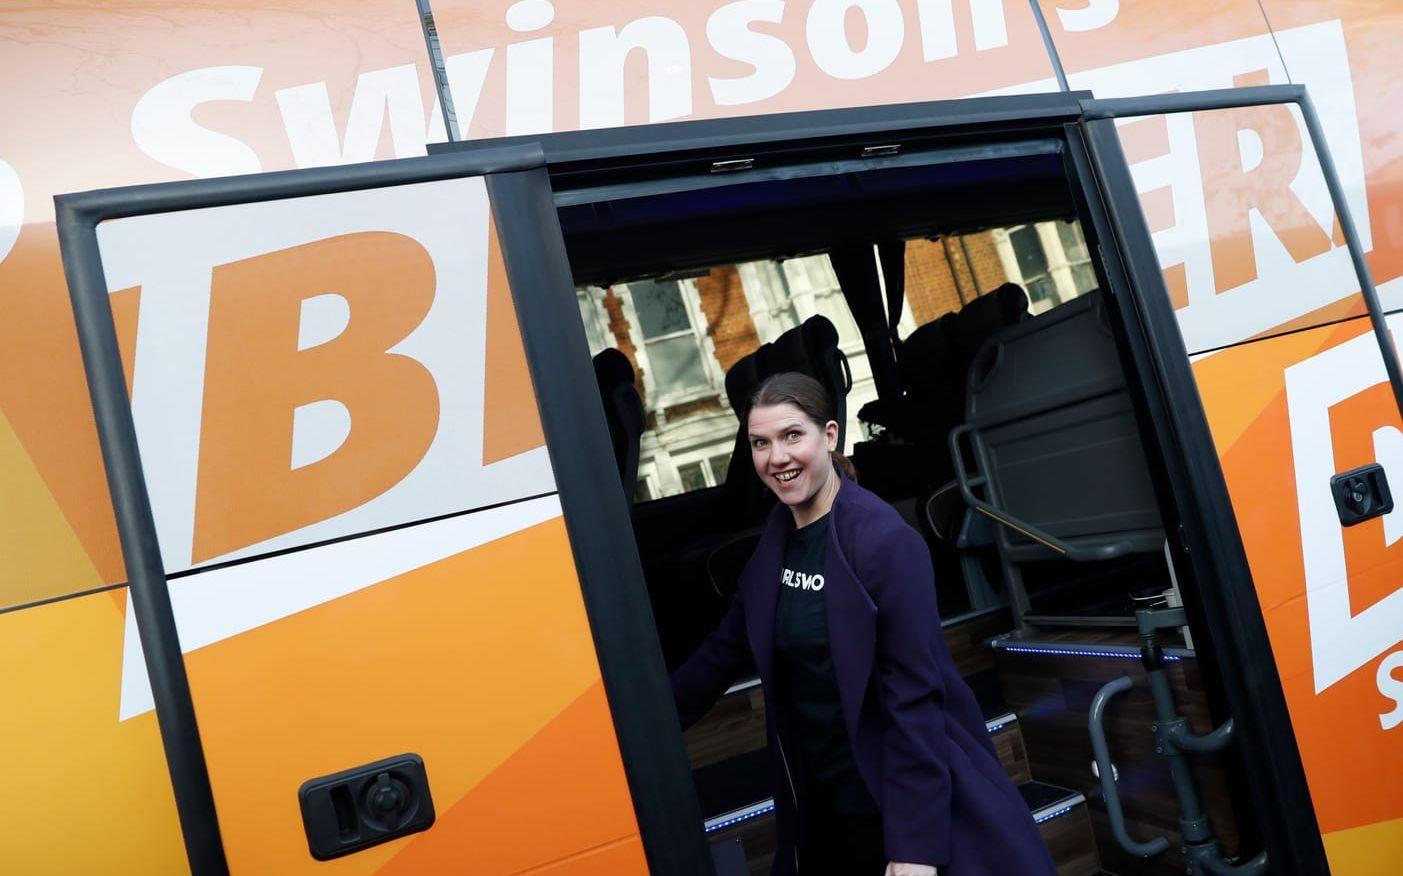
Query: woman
880, 759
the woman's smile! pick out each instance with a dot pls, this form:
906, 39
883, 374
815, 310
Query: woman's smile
785, 477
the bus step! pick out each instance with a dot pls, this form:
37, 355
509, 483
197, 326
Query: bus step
1007, 736
1065, 824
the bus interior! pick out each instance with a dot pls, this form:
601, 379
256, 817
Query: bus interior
1007, 430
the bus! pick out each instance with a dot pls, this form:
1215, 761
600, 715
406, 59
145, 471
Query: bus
368, 432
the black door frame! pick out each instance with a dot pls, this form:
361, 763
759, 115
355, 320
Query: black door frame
596, 518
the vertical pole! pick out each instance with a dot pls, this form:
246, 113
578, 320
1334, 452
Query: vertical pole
1051, 49
440, 71
954, 270
973, 275
1356, 250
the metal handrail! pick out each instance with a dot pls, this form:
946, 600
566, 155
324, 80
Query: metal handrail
967, 483
1181, 737
1254, 867
1107, 775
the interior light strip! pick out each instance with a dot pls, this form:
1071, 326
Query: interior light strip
1082, 652
736, 816
742, 685
1061, 807
764, 807
1051, 815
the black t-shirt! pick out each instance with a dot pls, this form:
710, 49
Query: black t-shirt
811, 719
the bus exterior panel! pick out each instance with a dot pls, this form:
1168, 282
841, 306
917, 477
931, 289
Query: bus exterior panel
136, 93
363, 545
1287, 413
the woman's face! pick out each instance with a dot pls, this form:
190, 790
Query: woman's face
790, 452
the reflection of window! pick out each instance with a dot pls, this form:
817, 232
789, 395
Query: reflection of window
704, 472
642, 490
593, 315
1074, 249
671, 342
1032, 264
815, 274
692, 476
719, 465
1051, 261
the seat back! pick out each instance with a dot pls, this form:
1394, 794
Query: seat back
934, 360
809, 348
623, 411
988, 315
1054, 431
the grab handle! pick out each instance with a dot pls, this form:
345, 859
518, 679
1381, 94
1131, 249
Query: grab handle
1255, 867
1181, 737
1107, 773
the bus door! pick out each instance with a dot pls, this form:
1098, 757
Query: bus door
384, 602
1232, 216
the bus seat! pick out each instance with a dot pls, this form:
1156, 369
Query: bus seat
1052, 427
989, 314
934, 361
809, 348
623, 411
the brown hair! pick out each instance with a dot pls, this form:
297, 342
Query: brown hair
809, 396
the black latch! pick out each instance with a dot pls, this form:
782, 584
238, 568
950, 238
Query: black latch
1361, 494
365, 806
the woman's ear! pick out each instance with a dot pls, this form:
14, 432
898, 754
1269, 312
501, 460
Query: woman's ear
830, 432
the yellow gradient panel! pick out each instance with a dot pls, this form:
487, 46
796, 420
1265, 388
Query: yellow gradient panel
1374, 850
462, 661
96, 793
40, 556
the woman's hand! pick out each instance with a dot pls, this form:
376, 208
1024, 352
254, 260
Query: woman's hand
895, 868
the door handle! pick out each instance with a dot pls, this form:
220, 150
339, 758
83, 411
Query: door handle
1361, 494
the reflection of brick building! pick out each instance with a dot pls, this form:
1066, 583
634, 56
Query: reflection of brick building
942, 275
683, 335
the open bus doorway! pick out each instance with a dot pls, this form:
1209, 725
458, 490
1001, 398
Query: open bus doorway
926, 287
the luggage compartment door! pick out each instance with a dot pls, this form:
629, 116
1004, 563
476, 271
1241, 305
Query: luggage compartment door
385, 601
1233, 219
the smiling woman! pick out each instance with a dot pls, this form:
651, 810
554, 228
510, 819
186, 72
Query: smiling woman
878, 740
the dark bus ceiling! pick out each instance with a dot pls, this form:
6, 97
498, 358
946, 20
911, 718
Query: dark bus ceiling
649, 200
688, 224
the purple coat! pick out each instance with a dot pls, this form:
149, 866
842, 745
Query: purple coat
917, 733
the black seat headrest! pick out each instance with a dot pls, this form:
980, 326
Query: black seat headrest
741, 380
611, 368
805, 348
819, 332
928, 353
788, 352
623, 411
989, 313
